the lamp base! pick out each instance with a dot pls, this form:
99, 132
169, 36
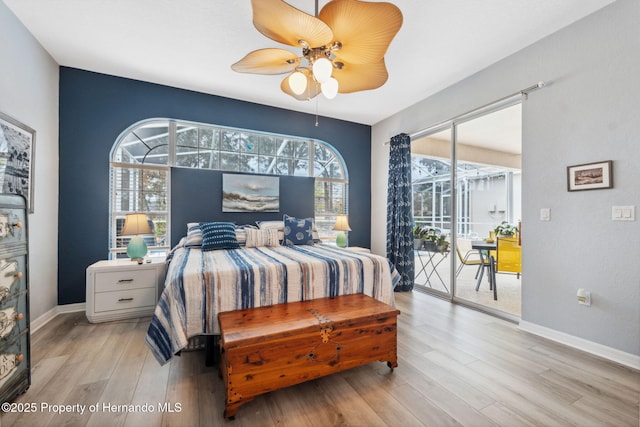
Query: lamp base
137, 249
341, 240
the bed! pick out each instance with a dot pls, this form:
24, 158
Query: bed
200, 284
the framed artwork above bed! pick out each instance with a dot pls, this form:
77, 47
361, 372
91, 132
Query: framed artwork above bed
250, 193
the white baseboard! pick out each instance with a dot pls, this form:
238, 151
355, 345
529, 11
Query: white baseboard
51, 314
618, 356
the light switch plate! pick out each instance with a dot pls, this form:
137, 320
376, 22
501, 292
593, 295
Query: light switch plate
623, 213
545, 214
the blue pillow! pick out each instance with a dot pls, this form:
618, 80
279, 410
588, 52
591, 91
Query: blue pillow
218, 235
298, 231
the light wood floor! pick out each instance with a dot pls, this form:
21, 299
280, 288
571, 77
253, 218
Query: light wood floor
456, 367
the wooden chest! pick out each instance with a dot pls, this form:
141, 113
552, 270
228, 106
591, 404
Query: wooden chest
267, 348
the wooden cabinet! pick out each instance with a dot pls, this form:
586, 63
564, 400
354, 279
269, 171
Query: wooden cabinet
121, 289
15, 358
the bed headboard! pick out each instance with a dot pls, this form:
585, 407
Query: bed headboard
196, 196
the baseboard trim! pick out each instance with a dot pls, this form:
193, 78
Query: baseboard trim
609, 353
51, 314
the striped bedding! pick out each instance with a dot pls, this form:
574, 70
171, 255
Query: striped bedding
199, 285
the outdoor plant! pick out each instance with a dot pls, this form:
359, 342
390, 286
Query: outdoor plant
418, 232
429, 238
506, 229
442, 243
431, 235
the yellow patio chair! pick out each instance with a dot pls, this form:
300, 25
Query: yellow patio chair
471, 256
509, 256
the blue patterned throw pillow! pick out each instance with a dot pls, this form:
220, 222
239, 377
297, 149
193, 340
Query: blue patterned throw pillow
218, 235
298, 231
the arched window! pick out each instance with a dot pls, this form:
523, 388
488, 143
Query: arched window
143, 154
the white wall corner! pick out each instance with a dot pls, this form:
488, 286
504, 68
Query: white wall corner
609, 353
55, 311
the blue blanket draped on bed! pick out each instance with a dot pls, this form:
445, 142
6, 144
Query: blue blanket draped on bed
199, 285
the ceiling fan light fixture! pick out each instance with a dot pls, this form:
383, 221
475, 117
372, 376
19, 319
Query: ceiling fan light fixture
322, 69
329, 88
343, 46
298, 82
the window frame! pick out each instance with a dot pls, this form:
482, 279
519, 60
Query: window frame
318, 170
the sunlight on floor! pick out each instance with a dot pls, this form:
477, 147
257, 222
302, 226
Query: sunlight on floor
509, 285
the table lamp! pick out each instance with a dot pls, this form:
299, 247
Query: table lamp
341, 225
136, 224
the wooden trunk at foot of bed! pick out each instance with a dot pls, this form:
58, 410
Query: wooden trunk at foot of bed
268, 348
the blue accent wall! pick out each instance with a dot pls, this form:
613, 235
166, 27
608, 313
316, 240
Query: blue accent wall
95, 108
196, 196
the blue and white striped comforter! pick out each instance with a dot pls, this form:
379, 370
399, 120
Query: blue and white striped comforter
199, 285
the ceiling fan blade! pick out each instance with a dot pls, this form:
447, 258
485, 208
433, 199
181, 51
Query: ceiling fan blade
365, 29
285, 24
267, 61
313, 88
357, 77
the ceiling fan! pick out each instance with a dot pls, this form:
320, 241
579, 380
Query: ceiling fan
343, 46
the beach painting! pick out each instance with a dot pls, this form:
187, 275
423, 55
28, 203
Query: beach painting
250, 193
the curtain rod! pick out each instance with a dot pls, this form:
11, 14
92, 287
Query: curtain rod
504, 100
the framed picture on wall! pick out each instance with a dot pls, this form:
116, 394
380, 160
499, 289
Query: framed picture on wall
250, 193
590, 176
17, 148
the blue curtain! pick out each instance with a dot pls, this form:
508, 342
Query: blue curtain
400, 212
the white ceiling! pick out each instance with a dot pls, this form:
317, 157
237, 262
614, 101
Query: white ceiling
498, 131
191, 44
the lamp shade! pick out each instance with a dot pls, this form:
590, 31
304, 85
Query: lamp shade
134, 224
342, 223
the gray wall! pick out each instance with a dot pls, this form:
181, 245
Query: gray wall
29, 94
589, 112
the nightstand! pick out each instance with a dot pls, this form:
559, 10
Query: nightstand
121, 289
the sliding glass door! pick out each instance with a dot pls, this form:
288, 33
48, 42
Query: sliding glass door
488, 159
432, 210
466, 181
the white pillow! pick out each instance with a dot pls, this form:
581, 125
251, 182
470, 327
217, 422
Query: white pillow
194, 235
277, 224
265, 237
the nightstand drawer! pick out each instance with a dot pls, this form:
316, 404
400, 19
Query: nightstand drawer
127, 279
126, 300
